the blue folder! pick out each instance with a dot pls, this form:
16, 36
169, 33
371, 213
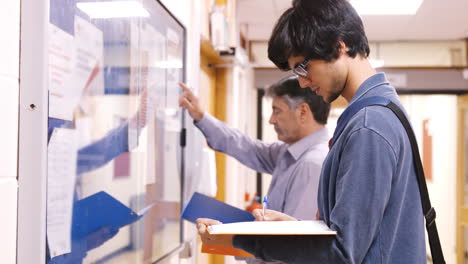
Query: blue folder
100, 210
202, 206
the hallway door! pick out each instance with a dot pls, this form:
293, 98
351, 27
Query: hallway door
462, 182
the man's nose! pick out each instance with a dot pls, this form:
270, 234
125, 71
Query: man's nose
271, 121
304, 82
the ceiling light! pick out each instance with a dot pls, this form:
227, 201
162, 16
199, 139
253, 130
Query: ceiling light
114, 9
386, 7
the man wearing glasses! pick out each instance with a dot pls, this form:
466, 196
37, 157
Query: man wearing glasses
368, 190
299, 117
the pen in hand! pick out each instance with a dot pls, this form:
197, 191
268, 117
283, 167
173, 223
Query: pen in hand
264, 205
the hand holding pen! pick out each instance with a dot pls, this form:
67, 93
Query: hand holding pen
264, 205
271, 215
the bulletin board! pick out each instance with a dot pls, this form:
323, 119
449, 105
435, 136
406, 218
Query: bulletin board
115, 131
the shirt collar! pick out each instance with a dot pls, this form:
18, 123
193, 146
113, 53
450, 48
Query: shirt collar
300, 147
369, 84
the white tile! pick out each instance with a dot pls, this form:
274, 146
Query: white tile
9, 38
8, 203
9, 101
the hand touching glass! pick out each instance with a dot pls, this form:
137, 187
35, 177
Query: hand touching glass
189, 101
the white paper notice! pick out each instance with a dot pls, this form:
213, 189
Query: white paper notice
61, 175
61, 63
89, 43
174, 73
151, 160
154, 43
133, 139
84, 127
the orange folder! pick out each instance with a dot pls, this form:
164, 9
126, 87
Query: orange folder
224, 250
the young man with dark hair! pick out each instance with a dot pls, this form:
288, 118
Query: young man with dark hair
368, 189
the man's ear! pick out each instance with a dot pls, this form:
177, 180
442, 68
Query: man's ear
303, 111
343, 48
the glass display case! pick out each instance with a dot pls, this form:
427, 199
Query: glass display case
115, 131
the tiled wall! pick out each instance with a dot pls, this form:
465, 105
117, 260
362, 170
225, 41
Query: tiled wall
8, 203
9, 87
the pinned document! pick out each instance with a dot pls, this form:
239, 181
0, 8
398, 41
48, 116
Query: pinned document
61, 176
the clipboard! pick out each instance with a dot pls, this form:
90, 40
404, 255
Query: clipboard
224, 250
102, 210
298, 228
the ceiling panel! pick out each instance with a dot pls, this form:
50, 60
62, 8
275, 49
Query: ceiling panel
435, 20
282, 5
256, 12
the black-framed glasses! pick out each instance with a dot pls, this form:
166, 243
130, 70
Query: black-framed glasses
301, 69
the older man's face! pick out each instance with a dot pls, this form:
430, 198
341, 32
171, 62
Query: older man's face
285, 121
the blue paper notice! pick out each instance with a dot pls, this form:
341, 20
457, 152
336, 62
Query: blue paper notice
102, 210
202, 206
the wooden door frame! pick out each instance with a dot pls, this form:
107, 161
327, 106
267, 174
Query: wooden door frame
462, 209
209, 58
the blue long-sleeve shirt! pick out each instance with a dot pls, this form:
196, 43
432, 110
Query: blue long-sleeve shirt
368, 193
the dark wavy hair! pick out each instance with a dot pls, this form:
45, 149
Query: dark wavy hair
313, 29
290, 90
